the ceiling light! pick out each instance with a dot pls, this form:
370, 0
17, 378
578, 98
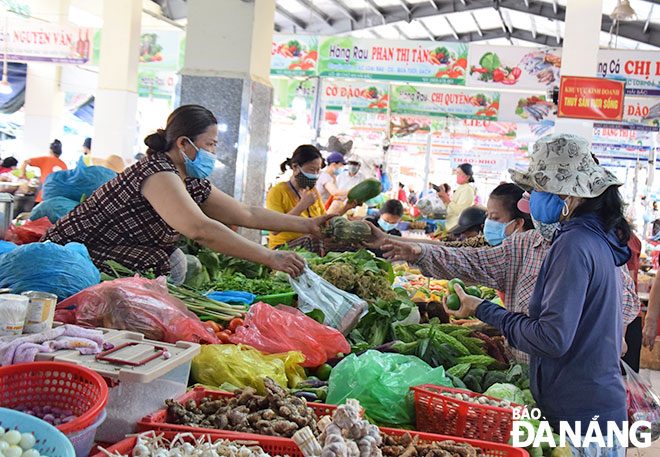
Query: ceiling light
623, 12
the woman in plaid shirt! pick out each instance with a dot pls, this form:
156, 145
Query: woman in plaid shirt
136, 218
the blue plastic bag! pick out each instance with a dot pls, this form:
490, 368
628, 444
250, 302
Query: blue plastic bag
73, 184
48, 267
232, 296
54, 209
6, 246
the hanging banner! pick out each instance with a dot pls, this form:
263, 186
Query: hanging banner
640, 70
525, 107
360, 96
285, 91
392, 60
590, 98
514, 67
37, 41
156, 83
294, 55
432, 101
641, 110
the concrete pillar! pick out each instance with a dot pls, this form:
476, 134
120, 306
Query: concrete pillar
580, 56
115, 105
226, 69
44, 109
44, 101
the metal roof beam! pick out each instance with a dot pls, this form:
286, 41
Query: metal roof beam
427, 29
401, 32
648, 19
290, 17
405, 6
491, 34
315, 11
376, 9
451, 27
346, 11
394, 13
476, 23
532, 23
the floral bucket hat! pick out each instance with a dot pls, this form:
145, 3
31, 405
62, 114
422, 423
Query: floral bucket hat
562, 164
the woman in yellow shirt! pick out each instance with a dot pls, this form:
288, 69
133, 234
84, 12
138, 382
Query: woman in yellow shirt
463, 196
298, 197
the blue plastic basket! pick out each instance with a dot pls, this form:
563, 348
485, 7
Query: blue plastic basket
50, 441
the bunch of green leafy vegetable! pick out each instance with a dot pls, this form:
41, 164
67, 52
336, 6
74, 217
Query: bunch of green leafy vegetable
258, 286
376, 327
362, 260
223, 265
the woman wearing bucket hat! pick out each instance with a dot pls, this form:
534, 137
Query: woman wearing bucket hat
463, 195
574, 328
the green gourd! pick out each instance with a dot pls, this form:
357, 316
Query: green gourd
366, 190
347, 231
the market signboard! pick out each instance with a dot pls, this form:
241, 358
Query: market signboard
37, 41
286, 89
641, 110
393, 60
360, 96
590, 98
160, 53
294, 55
526, 107
434, 101
513, 67
640, 70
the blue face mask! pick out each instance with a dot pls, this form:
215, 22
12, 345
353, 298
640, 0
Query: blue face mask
386, 226
545, 207
338, 171
203, 164
494, 231
309, 175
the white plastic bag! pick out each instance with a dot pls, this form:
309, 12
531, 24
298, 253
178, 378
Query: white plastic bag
342, 310
432, 206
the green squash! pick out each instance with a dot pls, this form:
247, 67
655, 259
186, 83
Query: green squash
366, 190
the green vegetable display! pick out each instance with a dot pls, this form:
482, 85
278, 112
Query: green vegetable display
238, 281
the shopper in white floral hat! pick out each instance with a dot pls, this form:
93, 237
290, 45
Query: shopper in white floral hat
574, 329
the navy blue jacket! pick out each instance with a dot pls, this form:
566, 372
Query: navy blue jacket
574, 329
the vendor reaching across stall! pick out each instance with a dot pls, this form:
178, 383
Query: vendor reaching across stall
135, 219
573, 334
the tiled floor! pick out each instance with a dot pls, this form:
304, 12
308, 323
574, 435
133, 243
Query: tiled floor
654, 451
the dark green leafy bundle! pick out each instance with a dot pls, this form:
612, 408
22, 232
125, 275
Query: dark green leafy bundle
376, 328
223, 265
261, 286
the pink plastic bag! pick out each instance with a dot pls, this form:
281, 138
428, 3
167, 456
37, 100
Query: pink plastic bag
643, 403
283, 329
30, 232
136, 304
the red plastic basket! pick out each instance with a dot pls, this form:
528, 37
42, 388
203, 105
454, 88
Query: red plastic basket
489, 448
280, 446
63, 385
272, 445
437, 413
158, 420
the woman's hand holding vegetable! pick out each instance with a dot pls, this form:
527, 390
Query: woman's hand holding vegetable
378, 237
316, 225
469, 304
286, 261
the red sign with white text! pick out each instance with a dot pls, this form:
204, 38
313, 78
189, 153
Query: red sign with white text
590, 98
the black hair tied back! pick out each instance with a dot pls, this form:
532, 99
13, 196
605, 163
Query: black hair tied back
156, 142
286, 164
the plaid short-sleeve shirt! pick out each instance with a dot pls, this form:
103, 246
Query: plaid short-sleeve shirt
117, 223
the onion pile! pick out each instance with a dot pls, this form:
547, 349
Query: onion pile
51, 414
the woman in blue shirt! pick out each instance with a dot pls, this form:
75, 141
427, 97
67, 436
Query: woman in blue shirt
573, 332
